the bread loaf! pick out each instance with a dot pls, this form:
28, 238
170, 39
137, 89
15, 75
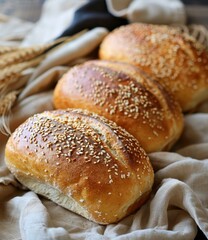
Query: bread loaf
174, 59
82, 162
126, 95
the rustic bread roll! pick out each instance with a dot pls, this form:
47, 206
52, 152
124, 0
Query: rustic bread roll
176, 60
82, 162
125, 95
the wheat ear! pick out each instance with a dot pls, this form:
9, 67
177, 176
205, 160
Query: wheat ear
6, 104
198, 32
13, 73
7, 49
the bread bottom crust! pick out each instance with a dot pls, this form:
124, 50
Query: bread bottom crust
66, 201
46, 190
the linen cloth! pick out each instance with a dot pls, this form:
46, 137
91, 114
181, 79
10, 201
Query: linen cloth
179, 200
60, 15
149, 11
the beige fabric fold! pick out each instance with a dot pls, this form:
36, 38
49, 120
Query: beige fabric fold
55, 17
177, 205
149, 11
78, 48
178, 202
13, 30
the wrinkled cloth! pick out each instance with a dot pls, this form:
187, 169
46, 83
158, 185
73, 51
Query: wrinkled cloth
179, 200
55, 18
178, 203
13, 30
149, 11
68, 17
25, 9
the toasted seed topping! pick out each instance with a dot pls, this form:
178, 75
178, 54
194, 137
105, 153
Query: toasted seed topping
163, 52
118, 93
75, 135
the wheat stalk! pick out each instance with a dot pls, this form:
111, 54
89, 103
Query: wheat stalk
13, 73
7, 102
12, 55
6, 105
7, 49
198, 32
13, 61
22, 55
4, 125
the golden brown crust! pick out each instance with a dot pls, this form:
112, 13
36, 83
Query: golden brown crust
124, 94
176, 60
82, 162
